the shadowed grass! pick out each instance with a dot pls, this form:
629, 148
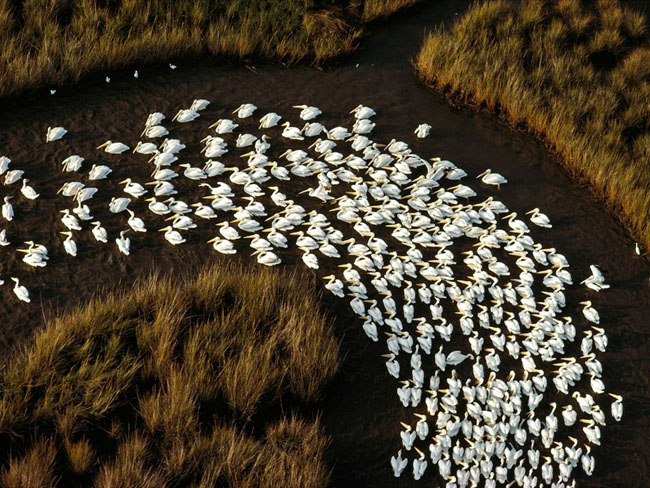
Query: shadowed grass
52, 42
177, 382
576, 74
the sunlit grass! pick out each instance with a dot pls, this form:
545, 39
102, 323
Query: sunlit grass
576, 74
173, 383
51, 42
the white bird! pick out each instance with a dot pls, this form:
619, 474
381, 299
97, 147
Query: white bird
422, 130
13, 176
224, 126
590, 313
398, 464
136, 190
307, 112
362, 112
69, 245
539, 219
113, 147
21, 292
99, 172
28, 191
8, 210
173, 236
245, 110
490, 178
617, 407
185, 115
155, 131
291, 132
118, 205
136, 223
269, 120
72, 163
123, 243
99, 232
55, 133
199, 104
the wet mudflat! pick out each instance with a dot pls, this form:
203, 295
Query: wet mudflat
361, 410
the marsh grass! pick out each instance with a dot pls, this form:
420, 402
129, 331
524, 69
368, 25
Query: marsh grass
176, 382
52, 42
576, 74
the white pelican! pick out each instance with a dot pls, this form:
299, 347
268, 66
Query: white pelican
245, 110
69, 245
13, 176
72, 163
159, 208
490, 178
224, 126
164, 174
199, 104
145, 148
422, 130
123, 243
154, 118
590, 313
3, 238
307, 112
55, 133
338, 133
617, 407
113, 147
363, 126
136, 223
291, 132
193, 173
99, 172
155, 131
539, 219
136, 190
4, 164
28, 191
8, 210
173, 236
267, 258
185, 115
99, 232
269, 120
362, 112
83, 194
228, 232
245, 140
21, 292
223, 246
118, 205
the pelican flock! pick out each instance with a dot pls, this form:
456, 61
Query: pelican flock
498, 383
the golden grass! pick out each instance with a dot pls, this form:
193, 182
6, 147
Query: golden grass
52, 42
173, 383
377, 9
575, 74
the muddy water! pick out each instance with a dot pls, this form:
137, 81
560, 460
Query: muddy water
361, 411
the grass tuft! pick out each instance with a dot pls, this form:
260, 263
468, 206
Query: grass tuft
176, 382
576, 74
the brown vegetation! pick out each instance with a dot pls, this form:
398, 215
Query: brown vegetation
51, 42
576, 74
173, 383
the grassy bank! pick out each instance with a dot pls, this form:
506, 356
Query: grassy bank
173, 383
576, 74
50, 42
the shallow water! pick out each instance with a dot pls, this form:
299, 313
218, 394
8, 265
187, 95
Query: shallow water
361, 411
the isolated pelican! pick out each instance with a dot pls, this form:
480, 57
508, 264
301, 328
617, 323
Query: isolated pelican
69, 245
136, 223
7, 210
490, 178
21, 292
55, 133
422, 130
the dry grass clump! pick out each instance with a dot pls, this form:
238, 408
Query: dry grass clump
51, 42
576, 74
173, 383
376, 9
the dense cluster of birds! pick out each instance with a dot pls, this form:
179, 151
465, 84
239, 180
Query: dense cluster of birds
469, 304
